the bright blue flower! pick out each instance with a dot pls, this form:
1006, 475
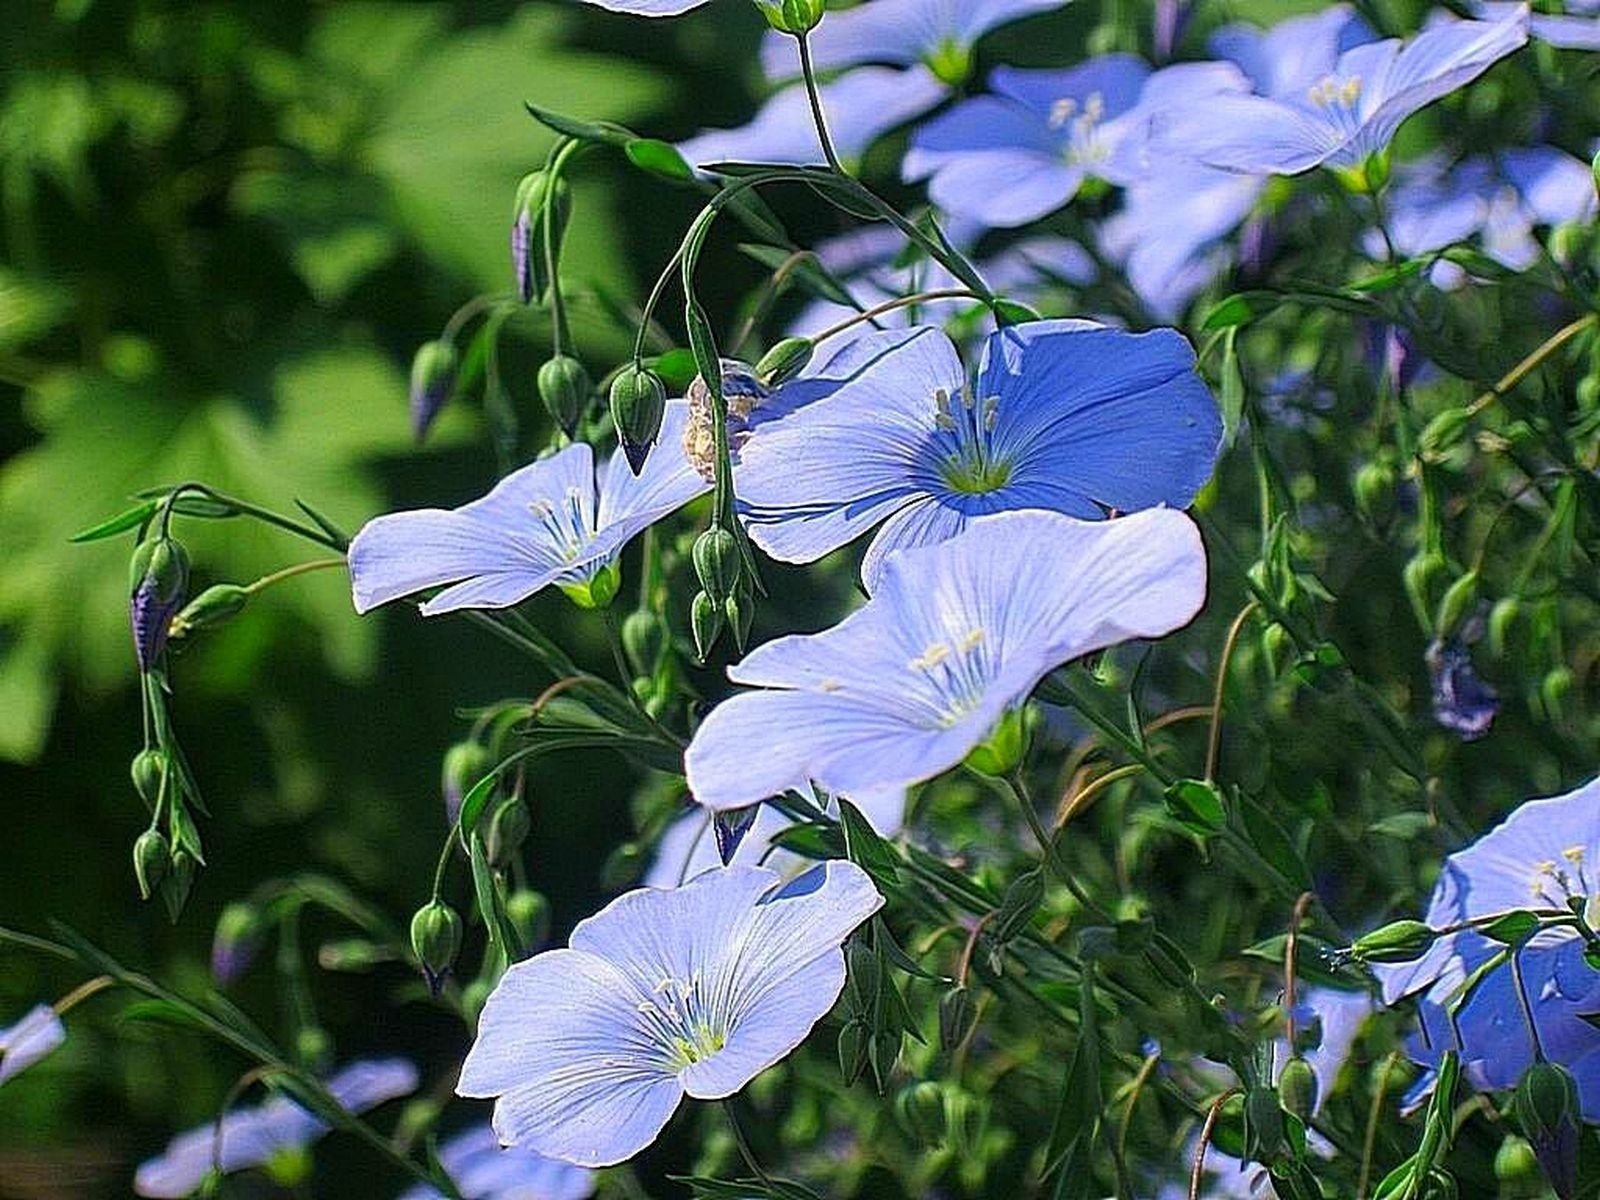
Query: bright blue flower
953, 636
38, 1033
550, 522
1543, 856
1015, 156
860, 106
940, 34
278, 1129
484, 1170
663, 994
1065, 415
1350, 112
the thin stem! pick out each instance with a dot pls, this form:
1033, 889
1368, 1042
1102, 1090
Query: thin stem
878, 310
1291, 953
81, 993
1197, 1174
1370, 1141
1214, 740
315, 564
743, 1143
1522, 1002
560, 335
1521, 371
808, 70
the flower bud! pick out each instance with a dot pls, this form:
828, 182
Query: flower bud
1458, 597
313, 1047
151, 857
644, 637
716, 562
1502, 622
1420, 576
920, 1107
1554, 689
1398, 941
508, 828
159, 572
1546, 1106
179, 882
535, 204
1297, 1087
565, 388
955, 1018
1569, 242
1374, 489
1516, 1166
218, 603
233, 946
149, 770
784, 361
638, 400
529, 914
435, 940
433, 379
741, 614
465, 763
1443, 433
705, 619
791, 16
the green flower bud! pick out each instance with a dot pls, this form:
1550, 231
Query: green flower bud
151, 858
1002, 751
1374, 489
644, 637
1444, 433
536, 203
955, 1018
784, 361
464, 764
598, 591
314, 1048
1517, 1168
853, 1038
638, 400
1297, 1087
233, 946
219, 603
705, 619
1458, 597
741, 613
1398, 941
435, 940
179, 882
1546, 1106
433, 379
1502, 622
529, 913
508, 827
565, 388
473, 997
920, 1107
791, 16
1554, 689
158, 579
716, 562
1421, 576
149, 770
1569, 242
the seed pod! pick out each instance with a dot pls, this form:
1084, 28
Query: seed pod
218, 603
716, 563
1398, 941
638, 401
565, 389
433, 379
435, 940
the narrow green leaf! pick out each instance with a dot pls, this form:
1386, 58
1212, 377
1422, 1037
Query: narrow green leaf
605, 132
866, 848
127, 519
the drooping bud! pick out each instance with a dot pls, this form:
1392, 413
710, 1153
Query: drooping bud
529, 914
1458, 597
1398, 941
705, 620
175, 888
791, 16
1297, 1087
151, 857
149, 770
638, 400
233, 946
565, 389
1546, 1106
536, 203
1462, 702
740, 612
1443, 433
508, 827
716, 562
435, 940
1420, 575
313, 1047
1516, 1166
784, 361
1502, 621
218, 603
920, 1107
433, 379
465, 763
159, 579
643, 638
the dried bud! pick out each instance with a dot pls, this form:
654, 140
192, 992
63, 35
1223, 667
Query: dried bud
784, 361
465, 763
159, 578
716, 562
217, 604
433, 379
705, 619
149, 770
529, 914
1297, 1085
233, 946
1546, 1106
151, 857
565, 389
638, 400
1398, 941
742, 393
435, 940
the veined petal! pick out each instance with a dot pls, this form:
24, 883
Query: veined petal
894, 31
38, 1033
648, 8
563, 1044
484, 1170
1114, 78
1249, 134
1293, 55
1002, 188
924, 522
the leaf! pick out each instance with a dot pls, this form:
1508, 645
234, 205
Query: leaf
816, 840
604, 132
1513, 928
1076, 1127
473, 804
1197, 806
866, 849
160, 1012
1238, 309
1233, 394
334, 227
127, 519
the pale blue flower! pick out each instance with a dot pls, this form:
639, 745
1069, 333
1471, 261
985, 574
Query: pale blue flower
953, 636
1578, 28
1348, 113
551, 522
277, 1129
1295, 54
663, 994
484, 1170
38, 1034
940, 34
1012, 157
861, 106
1065, 415
1543, 856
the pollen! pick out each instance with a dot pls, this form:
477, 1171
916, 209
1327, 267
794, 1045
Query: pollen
972, 641
931, 657
1062, 111
1574, 855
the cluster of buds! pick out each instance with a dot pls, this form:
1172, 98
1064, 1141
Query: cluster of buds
166, 856
724, 600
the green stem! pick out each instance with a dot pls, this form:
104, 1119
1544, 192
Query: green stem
814, 94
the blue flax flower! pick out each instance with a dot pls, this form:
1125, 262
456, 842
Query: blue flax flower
953, 636
38, 1033
273, 1134
1543, 856
1462, 702
1578, 28
860, 107
1065, 415
549, 522
1350, 112
692, 991
940, 34
484, 1170
1015, 156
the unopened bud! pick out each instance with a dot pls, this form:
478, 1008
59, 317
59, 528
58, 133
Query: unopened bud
784, 361
705, 619
1546, 1106
1398, 941
313, 1047
536, 203
1458, 597
529, 913
435, 940
740, 611
920, 1107
179, 882
644, 636
465, 763
791, 16
218, 603
1443, 433
151, 858
149, 770
1502, 621
1374, 489
565, 389
1297, 1087
1516, 1166
716, 562
433, 379
350, 954
638, 400
233, 946
1554, 689
1421, 575
508, 828
159, 579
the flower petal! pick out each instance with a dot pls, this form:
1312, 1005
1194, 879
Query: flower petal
38, 1033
